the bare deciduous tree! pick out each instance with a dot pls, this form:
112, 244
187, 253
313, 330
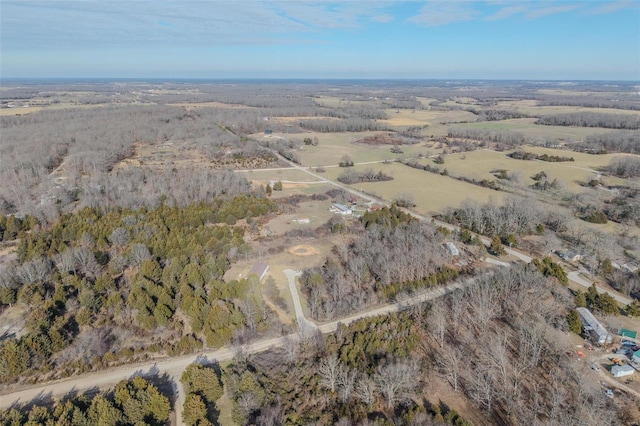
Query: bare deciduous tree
346, 382
329, 369
396, 381
365, 390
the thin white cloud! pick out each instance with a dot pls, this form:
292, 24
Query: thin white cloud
551, 10
507, 12
435, 13
95, 23
382, 19
335, 14
610, 7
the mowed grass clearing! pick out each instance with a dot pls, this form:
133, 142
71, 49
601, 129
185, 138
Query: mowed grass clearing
412, 117
316, 211
333, 146
431, 192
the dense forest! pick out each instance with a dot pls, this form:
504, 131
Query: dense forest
108, 282
502, 351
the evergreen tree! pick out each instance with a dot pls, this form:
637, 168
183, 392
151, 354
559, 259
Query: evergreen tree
194, 410
496, 246
573, 319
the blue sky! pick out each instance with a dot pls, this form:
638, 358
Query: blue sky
515, 39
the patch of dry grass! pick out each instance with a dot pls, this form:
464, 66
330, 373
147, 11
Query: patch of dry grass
407, 117
432, 193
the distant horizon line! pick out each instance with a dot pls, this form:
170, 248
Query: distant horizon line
305, 79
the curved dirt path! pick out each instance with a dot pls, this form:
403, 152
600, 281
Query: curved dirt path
305, 324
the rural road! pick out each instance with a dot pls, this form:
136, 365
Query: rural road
305, 324
576, 278
493, 261
573, 276
174, 366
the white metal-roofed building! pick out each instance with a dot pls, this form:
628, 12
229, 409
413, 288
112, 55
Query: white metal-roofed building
340, 209
622, 370
593, 327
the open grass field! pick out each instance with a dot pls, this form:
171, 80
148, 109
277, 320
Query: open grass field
479, 164
527, 127
333, 146
610, 227
531, 107
431, 192
263, 177
316, 211
410, 117
338, 101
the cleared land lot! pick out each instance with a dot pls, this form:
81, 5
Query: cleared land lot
333, 146
410, 117
293, 181
316, 211
431, 192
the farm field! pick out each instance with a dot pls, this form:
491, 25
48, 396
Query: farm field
431, 192
287, 176
532, 107
411, 117
333, 146
480, 164
539, 132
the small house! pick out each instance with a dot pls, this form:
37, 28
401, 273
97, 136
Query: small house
340, 209
636, 357
260, 269
622, 370
570, 256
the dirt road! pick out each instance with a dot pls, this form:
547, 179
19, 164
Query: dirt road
304, 324
174, 366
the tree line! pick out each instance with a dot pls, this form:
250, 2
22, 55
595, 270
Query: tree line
592, 119
134, 401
